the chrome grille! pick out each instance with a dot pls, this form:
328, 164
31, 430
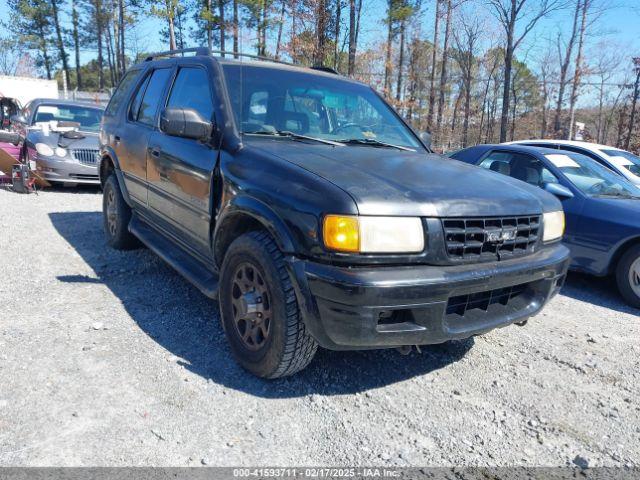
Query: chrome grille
85, 155
490, 238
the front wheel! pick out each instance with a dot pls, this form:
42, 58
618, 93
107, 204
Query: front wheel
259, 309
628, 276
116, 217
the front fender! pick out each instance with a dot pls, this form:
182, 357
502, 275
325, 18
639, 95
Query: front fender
241, 207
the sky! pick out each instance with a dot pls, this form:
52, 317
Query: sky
619, 25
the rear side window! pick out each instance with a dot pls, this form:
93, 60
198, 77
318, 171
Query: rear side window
191, 90
119, 95
153, 96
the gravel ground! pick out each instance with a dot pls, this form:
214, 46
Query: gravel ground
111, 358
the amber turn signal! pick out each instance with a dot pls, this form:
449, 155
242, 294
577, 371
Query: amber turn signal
341, 233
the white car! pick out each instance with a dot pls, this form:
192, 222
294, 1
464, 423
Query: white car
620, 161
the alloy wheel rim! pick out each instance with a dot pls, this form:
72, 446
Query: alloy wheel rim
112, 215
251, 305
634, 276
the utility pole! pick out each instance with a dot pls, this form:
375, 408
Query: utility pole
636, 91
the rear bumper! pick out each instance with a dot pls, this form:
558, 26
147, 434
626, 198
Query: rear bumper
376, 307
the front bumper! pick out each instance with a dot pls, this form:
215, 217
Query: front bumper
348, 308
66, 170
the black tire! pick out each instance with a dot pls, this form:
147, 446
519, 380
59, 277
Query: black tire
286, 347
116, 215
628, 276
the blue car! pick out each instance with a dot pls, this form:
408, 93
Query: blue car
602, 209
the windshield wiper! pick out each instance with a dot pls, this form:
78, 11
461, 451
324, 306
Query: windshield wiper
374, 143
295, 136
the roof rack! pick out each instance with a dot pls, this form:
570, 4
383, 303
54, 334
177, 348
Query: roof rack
173, 53
207, 52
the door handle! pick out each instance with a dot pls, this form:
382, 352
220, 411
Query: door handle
155, 152
116, 139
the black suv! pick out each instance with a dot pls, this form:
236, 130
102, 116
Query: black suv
314, 214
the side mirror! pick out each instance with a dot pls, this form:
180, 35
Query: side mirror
186, 123
17, 119
558, 190
426, 138
10, 137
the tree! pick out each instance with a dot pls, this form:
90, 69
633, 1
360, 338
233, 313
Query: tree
30, 23
434, 60
443, 68
466, 37
510, 14
166, 10
59, 40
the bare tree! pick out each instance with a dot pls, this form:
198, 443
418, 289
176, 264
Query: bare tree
467, 37
434, 61
510, 14
443, 67
565, 60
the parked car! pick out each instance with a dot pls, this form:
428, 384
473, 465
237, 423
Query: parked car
314, 213
61, 139
620, 161
602, 209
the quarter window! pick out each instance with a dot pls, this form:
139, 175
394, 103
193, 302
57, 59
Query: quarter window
191, 90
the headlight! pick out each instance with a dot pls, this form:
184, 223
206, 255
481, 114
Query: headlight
44, 149
553, 226
348, 233
61, 152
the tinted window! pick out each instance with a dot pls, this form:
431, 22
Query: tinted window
517, 165
191, 90
153, 96
119, 95
135, 105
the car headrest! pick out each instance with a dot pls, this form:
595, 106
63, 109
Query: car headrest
501, 167
527, 174
296, 122
44, 117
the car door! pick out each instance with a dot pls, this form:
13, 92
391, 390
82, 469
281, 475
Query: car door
180, 169
141, 120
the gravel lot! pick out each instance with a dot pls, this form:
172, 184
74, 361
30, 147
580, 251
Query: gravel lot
111, 358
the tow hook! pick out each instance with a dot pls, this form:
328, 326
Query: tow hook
406, 349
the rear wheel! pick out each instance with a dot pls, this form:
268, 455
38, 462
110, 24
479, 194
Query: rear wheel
628, 276
259, 309
116, 217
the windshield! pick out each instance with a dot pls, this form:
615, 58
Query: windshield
88, 118
590, 177
269, 100
624, 159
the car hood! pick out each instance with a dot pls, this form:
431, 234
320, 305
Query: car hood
393, 182
55, 139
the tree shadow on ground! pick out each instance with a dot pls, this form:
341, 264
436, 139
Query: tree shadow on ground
183, 321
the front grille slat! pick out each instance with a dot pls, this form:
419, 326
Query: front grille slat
461, 304
490, 238
86, 156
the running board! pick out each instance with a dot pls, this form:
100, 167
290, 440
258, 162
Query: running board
186, 265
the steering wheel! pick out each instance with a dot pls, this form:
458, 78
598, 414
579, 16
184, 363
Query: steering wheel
596, 188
